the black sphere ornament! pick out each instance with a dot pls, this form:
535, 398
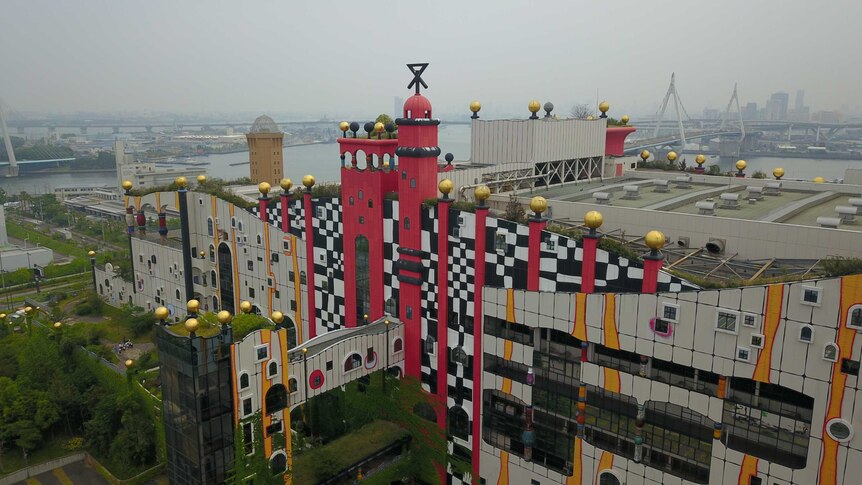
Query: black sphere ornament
549, 106
369, 127
354, 127
449, 157
390, 127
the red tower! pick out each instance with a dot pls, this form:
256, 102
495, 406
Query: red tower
417, 181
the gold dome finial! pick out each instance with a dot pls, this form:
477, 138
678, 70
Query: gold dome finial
127, 185
700, 159
193, 306
202, 253
2, 316
91, 253
191, 325
671, 156
819, 180
379, 127
224, 317
445, 186
593, 219
481, 193
263, 187
475, 106
28, 309
625, 119
654, 240
778, 172
590, 118
645, 154
534, 106
129, 363
181, 182
57, 325
277, 317
538, 204
741, 164
245, 306
308, 181
162, 313
202, 178
286, 184
344, 126
604, 106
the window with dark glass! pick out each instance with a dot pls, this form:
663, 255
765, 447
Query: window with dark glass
354, 361
275, 399
459, 423
246, 407
248, 438
243, 381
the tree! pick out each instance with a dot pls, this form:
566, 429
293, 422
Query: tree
386, 119
27, 437
3, 197
515, 212
581, 111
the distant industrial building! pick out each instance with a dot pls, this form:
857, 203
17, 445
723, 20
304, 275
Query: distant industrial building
265, 155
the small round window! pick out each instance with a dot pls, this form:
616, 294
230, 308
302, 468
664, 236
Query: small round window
839, 430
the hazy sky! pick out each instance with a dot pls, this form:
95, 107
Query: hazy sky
347, 58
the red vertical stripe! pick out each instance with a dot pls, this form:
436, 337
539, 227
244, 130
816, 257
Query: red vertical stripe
588, 265
285, 213
261, 206
442, 298
534, 253
651, 268
309, 264
478, 332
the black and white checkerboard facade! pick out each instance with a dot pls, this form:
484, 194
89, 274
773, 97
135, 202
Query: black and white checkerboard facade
328, 263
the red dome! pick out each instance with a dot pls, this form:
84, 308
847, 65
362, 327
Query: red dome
417, 106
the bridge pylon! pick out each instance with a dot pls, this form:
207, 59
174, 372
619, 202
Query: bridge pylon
13, 164
677, 105
725, 119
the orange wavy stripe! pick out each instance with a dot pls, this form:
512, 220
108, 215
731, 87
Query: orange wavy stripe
612, 336
577, 471
748, 469
580, 330
771, 322
612, 380
504, 469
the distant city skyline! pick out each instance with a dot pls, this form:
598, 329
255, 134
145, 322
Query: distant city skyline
311, 58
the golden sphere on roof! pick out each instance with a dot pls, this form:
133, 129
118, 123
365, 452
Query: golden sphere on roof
625, 119
202, 253
2, 316
308, 181
202, 178
654, 240
445, 186
181, 182
534, 106
245, 306
819, 180
191, 325
127, 184
193, 306
264, 187
538, 204
91, 253
671, 156
286, 184
700, 159
590, 118
129, 363
475, 106
593, 219
741, 164
28, 309
344, 126
57, 325
277, 316
778, 172
379, 127
645, 154
481, 193
162, 313
223, 317
604, 106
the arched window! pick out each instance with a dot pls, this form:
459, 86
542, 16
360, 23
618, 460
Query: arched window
425, 411
212, 254
855, 318
215, 303
291, 385
259, 239
178, 293
243, 381
406, 223
608, 478
214, 278
272, 371
830, 352
397, 346
806, 334
278, 463
391, 307
459, 423
210, 226
353, 361
276, 399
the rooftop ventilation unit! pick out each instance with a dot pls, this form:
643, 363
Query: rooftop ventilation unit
715, 245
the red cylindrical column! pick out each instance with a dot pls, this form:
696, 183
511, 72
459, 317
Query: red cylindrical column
478, 324
443, 206
652, 261
588, 265
285, 213
309, 260
262, 203
534, 246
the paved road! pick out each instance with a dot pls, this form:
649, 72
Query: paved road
77, 473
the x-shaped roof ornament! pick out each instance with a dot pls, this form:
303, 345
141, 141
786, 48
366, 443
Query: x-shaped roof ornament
417, 69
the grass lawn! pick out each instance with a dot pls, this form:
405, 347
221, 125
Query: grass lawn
35, 236
316, 465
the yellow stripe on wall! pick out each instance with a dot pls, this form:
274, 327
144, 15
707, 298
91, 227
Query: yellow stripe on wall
851, 294
507, 355
612, 380
510, 305
577, 470
771, 322
747, 470
606, 462
504, 469
580, 330
297, 290
612, 336
266, 419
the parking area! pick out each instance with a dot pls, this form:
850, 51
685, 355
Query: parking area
75, 473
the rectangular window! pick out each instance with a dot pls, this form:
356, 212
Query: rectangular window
261, 352
662, 326
749, 320
247, 439
725, 321
274, 257
811, 295
246, 407
757, 341
250, 265
274, 428
286, 245
329, 365
743, 353
515, 332
250, 292
670, 312
293, 305
500, 242
277, 294
291, 275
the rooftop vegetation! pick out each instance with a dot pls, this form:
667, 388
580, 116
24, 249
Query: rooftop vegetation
242, 325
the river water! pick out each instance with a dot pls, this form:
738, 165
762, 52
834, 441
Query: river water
323, 162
